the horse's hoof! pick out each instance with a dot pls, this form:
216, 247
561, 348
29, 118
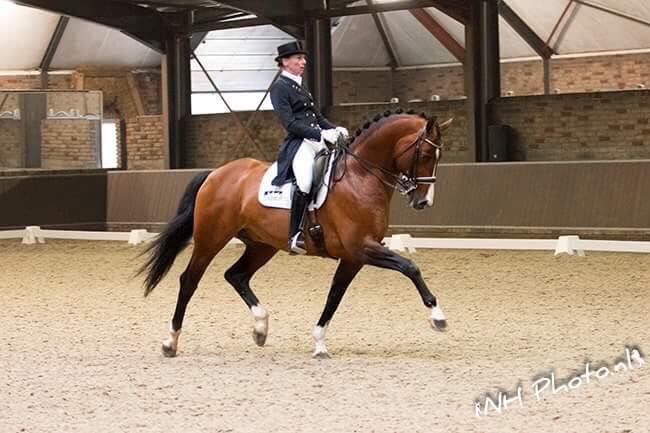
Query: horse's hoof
438, 325
259, 338
168, 352
321, 355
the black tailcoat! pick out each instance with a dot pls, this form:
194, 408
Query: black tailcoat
295, 107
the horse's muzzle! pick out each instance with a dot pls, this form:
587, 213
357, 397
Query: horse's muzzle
419, 203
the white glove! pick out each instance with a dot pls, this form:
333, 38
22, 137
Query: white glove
344, 132
330, 135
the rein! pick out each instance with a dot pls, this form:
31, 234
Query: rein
403, 183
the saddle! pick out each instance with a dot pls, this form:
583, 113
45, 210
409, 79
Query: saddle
280, 196
313, 226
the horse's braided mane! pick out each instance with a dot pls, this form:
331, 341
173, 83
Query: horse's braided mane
381, 116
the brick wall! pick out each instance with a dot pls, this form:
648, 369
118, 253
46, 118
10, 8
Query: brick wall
117, 97
447, 82
20, 82
29, 82
146, 133
362, 86
59, 82
9, 102
569, 75
213, 140
12, 150
523, 78
144, 137
69, 144
149, 85
607, 125
590, 74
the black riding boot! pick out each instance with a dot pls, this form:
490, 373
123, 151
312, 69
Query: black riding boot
296, 220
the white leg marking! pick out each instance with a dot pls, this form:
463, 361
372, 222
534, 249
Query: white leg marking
172, 341
319, 340
261, 327
437, 314
438, 319
261, 318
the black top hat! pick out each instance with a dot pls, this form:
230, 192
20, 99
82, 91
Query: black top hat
289, 49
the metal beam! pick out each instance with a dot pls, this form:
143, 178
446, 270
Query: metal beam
547, 76
51, 49
177, 93
233, 24
482, 73
260, 8
319, 69
384, 37
455, 9
208, 26
440, 33
196, 40
614, 12
524, 30
217, 14
274, 13
473, 72
492, 54
143, 24
292, 12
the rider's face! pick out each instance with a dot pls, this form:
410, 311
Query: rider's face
295, 64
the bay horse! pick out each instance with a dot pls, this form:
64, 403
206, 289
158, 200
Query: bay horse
394, 151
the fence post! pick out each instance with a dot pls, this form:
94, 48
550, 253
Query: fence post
569, 245
32, 235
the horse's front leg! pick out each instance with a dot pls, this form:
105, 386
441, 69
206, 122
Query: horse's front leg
376, 254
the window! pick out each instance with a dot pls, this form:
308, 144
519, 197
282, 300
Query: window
109, 144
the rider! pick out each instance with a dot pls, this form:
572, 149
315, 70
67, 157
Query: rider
307, 130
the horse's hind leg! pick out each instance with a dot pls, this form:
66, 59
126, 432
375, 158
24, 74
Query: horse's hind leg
208, 241
239, 275
189, 281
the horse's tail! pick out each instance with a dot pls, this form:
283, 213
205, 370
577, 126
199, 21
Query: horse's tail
174, 238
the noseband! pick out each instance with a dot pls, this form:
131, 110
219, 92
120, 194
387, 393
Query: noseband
409, 181
404, 183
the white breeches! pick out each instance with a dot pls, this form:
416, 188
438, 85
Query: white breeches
303, 163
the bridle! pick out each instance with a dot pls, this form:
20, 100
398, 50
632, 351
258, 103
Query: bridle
403, 183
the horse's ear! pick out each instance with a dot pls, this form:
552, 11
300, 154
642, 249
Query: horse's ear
431, 122
445, 125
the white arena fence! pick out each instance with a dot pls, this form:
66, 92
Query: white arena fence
571, 245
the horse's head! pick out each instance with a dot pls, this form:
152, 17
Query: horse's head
417, 155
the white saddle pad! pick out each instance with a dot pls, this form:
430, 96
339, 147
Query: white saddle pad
280, 196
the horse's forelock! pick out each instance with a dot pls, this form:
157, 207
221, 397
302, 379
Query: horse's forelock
432, 122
